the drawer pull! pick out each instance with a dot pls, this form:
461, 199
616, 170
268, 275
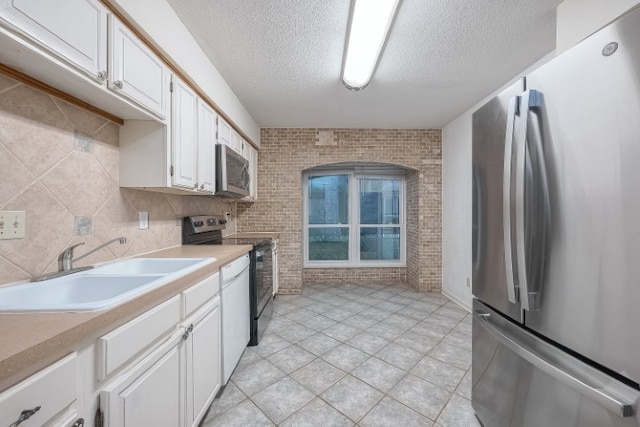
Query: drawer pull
25, 415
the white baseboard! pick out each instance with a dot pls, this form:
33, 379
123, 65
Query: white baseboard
460, 302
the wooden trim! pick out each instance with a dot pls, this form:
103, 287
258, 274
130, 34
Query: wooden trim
37, 84
175, 68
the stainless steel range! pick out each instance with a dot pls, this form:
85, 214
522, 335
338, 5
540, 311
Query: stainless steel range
207, 230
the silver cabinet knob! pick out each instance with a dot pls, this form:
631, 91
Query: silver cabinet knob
102, 76
202, 186
118, 84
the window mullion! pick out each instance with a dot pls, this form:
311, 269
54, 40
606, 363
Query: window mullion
354, 220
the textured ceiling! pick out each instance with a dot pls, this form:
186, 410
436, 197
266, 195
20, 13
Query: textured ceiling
283, 58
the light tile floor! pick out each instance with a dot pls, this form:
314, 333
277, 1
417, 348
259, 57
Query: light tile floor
354, 355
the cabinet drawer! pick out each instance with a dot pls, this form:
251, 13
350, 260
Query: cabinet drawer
200, 293
53, 389
122, 344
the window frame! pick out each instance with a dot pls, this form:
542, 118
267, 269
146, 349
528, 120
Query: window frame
354, 224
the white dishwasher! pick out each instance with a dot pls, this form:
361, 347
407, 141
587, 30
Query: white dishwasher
235, 313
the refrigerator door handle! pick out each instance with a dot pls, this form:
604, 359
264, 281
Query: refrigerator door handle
531, 102
609, 395
512, 293
521, 154
542, 224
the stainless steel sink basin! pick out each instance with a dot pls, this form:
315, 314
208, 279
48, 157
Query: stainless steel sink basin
99, 288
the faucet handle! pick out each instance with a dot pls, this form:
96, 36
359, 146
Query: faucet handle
66, 256
69, 251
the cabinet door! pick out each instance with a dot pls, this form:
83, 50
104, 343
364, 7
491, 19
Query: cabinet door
183, 120
75, 30
206, 143
224, 132
251, 154
253, 171
236, 142
203, 360
136, 72
148, 394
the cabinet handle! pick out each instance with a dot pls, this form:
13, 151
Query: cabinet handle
102, 76
195, 185
118, 84
190, 329
79, 423
185, 336
25, 415
202, 186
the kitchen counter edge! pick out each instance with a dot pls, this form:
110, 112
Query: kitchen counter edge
31, 341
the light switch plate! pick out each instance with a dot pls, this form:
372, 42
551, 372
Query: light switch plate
143, 220
12, 225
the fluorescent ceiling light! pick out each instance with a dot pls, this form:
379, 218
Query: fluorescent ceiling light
369, 26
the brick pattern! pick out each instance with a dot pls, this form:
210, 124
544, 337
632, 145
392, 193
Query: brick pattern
324, 276
287, 152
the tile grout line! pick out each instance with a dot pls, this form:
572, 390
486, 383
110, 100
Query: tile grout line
407, 372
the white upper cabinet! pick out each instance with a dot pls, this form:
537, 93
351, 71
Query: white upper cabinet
236, 142
178, 155
206, 144
251, 154
136, 72
224, 132
185, 138
75, 30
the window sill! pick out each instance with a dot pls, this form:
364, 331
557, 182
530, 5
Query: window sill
367, 265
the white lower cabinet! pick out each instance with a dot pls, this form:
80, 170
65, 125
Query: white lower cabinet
203, 362
162, 368
36, 399
175, 380
149, 393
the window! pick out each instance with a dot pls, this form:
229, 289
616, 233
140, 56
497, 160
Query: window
354, 220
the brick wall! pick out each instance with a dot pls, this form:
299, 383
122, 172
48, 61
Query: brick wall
286, 153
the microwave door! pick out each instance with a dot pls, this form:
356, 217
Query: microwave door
232, 173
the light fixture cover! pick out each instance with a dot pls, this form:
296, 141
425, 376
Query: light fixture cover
369, 25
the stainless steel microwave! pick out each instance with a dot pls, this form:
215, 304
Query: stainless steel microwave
232, 173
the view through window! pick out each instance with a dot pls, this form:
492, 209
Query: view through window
353, 219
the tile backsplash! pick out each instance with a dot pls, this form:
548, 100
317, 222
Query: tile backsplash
59, 164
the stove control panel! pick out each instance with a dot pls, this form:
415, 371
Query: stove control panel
205, 223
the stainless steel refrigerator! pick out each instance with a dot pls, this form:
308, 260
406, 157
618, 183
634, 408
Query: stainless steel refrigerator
556, 240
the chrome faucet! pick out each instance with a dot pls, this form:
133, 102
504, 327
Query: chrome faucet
66, 259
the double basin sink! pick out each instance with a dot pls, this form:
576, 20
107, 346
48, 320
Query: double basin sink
99, 288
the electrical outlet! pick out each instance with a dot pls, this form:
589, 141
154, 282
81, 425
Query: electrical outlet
12, 225
468, 282
143, 220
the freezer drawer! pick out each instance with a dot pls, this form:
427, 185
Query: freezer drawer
521, 381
